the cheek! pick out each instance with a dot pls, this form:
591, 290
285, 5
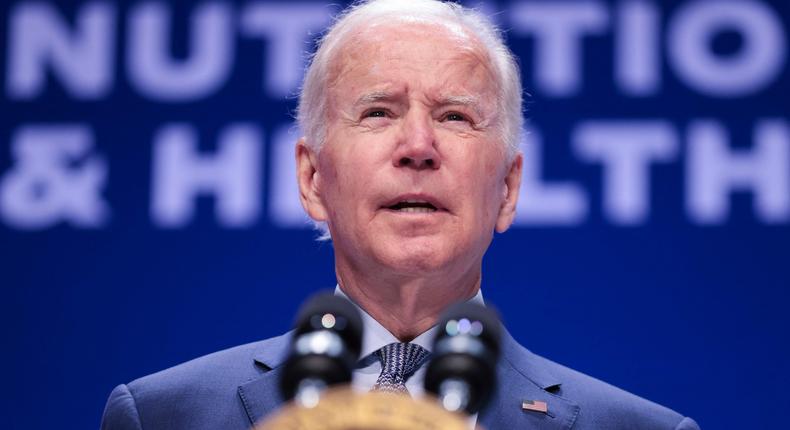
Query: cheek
488, 187
331, 184
343, 188
491, 203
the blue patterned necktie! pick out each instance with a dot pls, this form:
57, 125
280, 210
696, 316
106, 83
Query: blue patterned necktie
398, 362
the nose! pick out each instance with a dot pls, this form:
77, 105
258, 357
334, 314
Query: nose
417, 144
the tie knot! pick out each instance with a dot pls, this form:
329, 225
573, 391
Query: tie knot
401, 359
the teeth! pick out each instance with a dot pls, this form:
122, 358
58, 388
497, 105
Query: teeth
416, 210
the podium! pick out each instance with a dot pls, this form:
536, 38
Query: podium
343, 409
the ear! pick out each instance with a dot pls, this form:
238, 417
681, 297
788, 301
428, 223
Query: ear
507, 211
308, 179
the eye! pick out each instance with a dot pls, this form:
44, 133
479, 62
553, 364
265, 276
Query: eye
454, 116
375, 113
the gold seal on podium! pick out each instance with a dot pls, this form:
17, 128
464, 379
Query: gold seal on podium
343, 409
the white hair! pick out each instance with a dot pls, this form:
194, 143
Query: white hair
459, 20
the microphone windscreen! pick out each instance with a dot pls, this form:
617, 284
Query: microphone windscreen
472, 319
466, 351
326, 311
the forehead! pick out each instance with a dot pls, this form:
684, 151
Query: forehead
400, 56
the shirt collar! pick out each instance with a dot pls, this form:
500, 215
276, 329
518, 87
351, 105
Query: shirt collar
375, 336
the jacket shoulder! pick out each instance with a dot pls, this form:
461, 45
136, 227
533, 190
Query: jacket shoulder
203, 390
220, 368
602, 405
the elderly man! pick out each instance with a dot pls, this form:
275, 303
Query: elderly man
412, 114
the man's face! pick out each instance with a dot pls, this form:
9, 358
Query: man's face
412, 178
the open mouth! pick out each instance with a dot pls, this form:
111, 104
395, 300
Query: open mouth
413, 206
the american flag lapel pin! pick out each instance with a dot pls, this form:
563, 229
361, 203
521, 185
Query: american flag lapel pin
535, 406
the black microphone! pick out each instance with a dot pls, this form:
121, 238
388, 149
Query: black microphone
324, 348
462, 373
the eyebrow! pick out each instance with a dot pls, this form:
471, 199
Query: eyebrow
374, 97
459, 100
472, 102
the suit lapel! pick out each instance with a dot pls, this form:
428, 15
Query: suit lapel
522, 376
261, 395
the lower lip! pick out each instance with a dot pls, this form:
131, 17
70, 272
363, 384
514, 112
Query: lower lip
399, 212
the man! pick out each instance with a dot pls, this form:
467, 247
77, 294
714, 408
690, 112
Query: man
412, 114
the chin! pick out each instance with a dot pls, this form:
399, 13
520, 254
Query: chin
417, 258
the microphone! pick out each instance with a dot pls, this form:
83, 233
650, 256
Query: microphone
324, 348
462, 373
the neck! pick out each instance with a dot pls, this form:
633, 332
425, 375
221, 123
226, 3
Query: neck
406, 305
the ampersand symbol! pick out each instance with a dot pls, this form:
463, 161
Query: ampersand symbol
54, 179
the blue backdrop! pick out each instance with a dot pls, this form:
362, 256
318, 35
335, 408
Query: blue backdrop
148, 213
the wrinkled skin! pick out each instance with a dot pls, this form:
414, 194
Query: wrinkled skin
412, 115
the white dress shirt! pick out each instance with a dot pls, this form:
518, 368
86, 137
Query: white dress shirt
374, 337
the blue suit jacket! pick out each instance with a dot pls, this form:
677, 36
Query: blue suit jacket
235, 388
